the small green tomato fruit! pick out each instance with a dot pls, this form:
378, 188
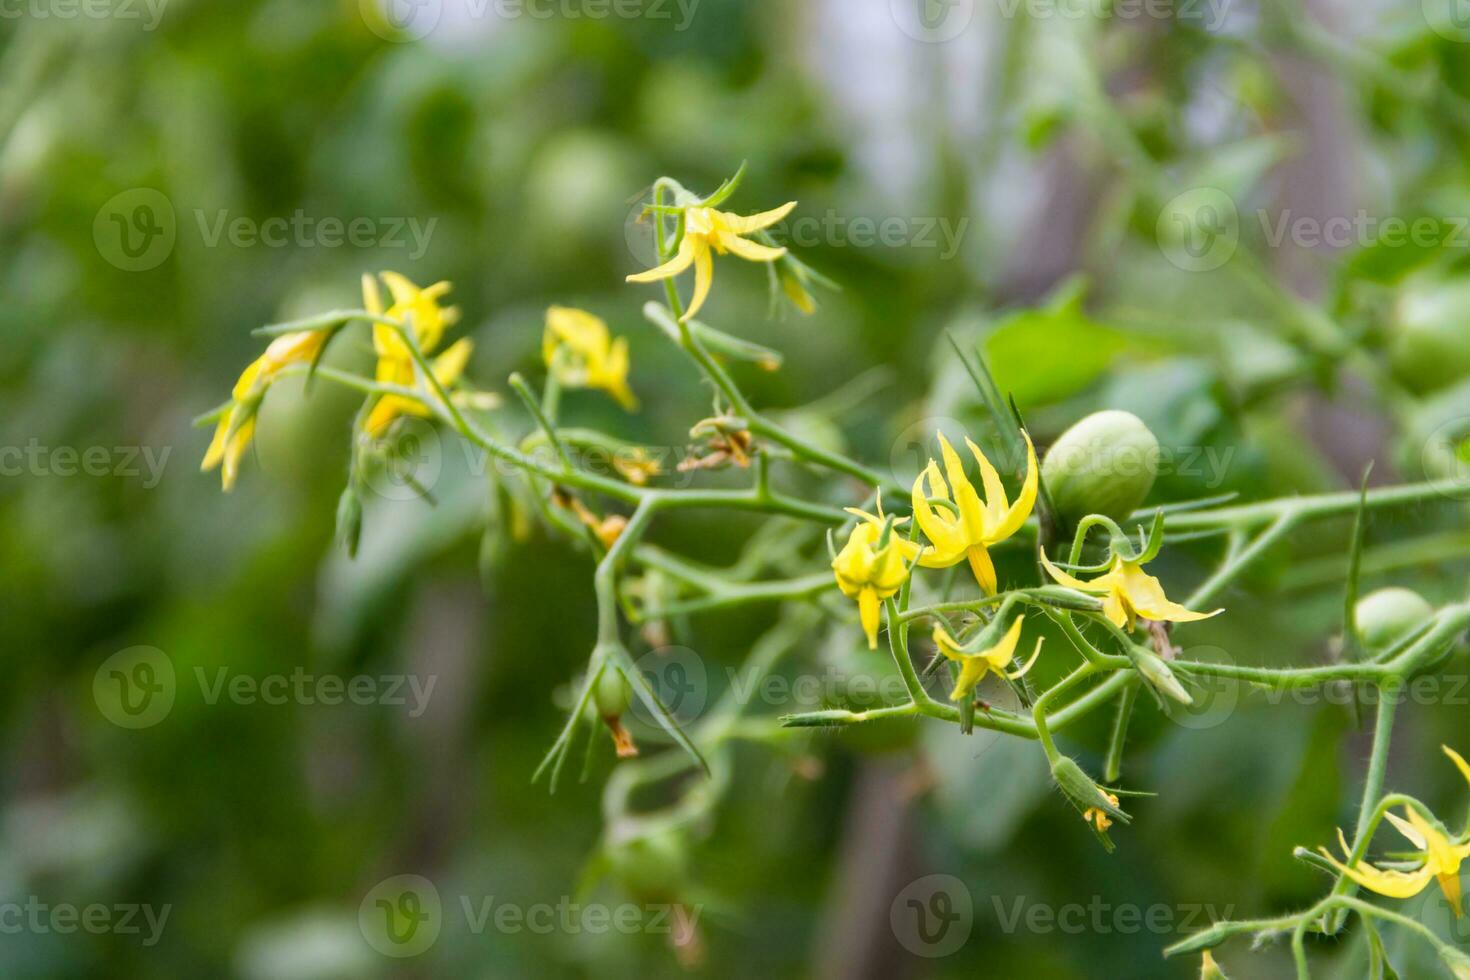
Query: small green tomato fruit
1430, 344
651, 867
1388, 615
1105, 464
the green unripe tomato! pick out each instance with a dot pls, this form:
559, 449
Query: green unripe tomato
612, 694
651, 867
1105, 464
1430, 345
1388, 615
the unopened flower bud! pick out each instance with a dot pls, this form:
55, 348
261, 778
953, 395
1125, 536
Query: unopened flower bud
1083, 792
612, 694
349, 520
1388, 615
1105, 464
1159, 676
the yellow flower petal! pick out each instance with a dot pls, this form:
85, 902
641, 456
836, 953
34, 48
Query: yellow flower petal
1146, 595
982, 568
1062, 578
996, 503
748, 250
972, 512
744, 225
869, 606
1459, 761
1026, 667
1394, 884
682, 260
1408, 830
1011, 521
972, 672
704, 277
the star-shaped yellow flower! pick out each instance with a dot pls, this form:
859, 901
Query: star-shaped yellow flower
447, 367
1440, 856
994, 660
414, 307
969, 529
708, 231
580, 352
419, 310
227, 448
870, 569
1131, 594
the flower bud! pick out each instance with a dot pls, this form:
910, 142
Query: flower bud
1388, 615
1082, 791
1105, 464
1159, 676
1430, 345
612, 694
349, 520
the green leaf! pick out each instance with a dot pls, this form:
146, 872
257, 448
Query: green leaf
1044, 355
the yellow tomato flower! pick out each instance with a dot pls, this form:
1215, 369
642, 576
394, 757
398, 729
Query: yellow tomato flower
974, 666
447, 368
413, 307
1440, 856
418, 310
974, 525
1131, 593
709, 231
291, 348
580, 352
869, 570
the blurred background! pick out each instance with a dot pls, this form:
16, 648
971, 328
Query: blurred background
1248, 224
